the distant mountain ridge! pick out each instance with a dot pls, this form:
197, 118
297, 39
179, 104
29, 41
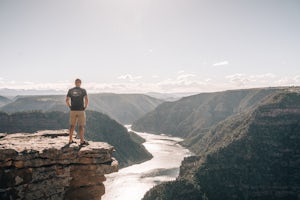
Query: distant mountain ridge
100, 127
15, 92
170, 96
25, 92
125, 108
251, 155
195, 114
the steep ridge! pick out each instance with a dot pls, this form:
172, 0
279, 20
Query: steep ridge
99, 127
4, 101
195, 114
42, 166
254, 155
125, 108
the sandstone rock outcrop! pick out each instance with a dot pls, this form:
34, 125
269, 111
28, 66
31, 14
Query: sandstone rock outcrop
44, 166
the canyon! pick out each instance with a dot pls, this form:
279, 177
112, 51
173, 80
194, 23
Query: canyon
252, 154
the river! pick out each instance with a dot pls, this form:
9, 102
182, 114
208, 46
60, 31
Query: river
134, 181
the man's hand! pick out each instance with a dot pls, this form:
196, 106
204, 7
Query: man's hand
86, 102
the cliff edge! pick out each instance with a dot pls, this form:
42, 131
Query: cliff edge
43, 166
251, 155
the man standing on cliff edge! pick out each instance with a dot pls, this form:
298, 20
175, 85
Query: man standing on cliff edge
78, 104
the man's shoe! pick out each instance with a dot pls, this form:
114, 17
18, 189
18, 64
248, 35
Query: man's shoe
71, 142
84, 143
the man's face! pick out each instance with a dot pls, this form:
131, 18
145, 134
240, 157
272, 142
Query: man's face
77, 83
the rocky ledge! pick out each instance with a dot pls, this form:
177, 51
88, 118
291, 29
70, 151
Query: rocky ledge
44, 166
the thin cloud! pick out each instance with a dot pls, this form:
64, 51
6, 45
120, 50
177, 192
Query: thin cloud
183, 82
297, 78
185, 76
129, 77
28, 83
35, 86
238, 79
221, 63
263, 76
294, 81
180, 72
262, 80
148, 52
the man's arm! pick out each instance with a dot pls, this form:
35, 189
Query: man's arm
68, 101
86, 101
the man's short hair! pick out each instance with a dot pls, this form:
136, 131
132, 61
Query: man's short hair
78, 80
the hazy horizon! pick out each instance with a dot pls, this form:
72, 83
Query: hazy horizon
140, 46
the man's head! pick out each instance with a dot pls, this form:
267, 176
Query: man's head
78, 82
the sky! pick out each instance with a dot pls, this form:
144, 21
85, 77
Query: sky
137, 46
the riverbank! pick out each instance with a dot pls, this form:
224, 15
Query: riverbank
134, 181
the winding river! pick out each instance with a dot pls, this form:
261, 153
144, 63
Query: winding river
134, 181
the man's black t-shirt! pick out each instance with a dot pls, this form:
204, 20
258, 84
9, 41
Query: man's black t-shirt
77, 97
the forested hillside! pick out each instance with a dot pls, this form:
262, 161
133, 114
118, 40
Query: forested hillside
195, 114
125, 108
100, 127
251, 155
4, 101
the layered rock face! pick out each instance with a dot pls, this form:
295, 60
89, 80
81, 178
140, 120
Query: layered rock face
44, 166
262, 160
254, 155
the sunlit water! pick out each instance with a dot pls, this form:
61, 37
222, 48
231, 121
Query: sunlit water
134, 181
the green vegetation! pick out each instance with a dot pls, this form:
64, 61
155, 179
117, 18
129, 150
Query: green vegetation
4, 101
136, 138
193, 115
32, 121
253, 154
99, 127
128, 150
179, 190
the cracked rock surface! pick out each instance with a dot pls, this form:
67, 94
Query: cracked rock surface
44, 166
